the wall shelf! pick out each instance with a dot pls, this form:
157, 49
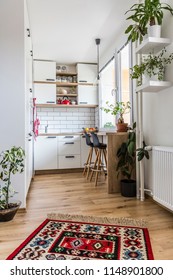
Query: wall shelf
154, 86
152, 44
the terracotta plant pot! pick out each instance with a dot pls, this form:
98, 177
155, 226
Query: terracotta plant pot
8, 214
122, 127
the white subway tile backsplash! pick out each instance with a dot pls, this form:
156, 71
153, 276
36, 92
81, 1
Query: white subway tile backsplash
55, 114
62, 120
42, 113
46, 118
66, 114
72, 118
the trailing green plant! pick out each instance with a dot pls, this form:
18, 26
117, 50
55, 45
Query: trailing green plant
152, 65
120, 108
127, 154
150, 12
11, 162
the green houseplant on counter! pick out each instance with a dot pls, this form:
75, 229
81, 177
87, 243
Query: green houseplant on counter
119, 108
146, 16
152, 67
11, 162
127, 161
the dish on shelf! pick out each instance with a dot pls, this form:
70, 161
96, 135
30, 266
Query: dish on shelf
62, 91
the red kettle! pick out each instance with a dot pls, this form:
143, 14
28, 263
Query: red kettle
65, 101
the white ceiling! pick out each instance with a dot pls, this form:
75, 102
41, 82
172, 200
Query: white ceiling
65, 30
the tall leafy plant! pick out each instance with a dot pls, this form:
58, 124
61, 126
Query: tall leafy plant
127, 155
150, 12
11, 162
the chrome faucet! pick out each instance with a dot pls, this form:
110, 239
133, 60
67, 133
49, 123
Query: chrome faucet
46, 128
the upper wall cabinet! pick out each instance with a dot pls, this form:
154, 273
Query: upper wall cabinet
87, 73
44, 71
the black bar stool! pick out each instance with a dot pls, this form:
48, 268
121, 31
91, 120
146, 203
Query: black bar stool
89, 162
99, 166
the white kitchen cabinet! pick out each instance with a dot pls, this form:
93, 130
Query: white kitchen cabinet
87, 94
87, 73
45, 153
45, 93
44, 71
69, 151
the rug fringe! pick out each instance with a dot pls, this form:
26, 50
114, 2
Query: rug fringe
123, 221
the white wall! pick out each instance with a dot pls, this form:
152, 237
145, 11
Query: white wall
12, 89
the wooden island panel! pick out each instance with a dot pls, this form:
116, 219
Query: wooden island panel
114, 141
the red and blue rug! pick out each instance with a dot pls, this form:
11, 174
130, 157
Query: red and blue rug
65, 237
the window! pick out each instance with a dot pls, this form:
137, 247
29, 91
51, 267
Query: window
107, 93
124, 58
115, 86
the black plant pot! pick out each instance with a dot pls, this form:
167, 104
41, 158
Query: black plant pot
128, 188
8, 214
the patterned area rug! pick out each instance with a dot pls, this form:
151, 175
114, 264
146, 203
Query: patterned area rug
66, 237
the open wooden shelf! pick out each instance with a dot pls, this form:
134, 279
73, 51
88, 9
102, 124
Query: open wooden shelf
66, 106
70, 94
65, 74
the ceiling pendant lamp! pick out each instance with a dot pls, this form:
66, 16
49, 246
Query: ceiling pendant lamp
98, 57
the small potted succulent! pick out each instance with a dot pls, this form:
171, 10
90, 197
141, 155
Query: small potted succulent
146, 16
11, 162
151, 68
119, 108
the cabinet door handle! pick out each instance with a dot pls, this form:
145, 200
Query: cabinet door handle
50, 80
69, 143
50, 102
51, 137
69, 137
82, 81
83, 102
70, 156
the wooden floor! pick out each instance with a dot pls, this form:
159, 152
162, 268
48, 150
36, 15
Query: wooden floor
72, 194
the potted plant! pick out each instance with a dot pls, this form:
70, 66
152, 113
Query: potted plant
127, 162
146, 16
152, 67
120, 108
11, 162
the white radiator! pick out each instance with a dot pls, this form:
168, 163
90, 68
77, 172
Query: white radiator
162, 165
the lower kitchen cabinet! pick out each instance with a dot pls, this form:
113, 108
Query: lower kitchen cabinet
69, 161
69, 151
45, 153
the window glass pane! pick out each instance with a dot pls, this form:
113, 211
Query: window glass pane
107, 93
124, 58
